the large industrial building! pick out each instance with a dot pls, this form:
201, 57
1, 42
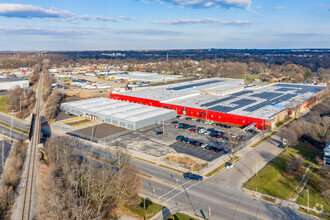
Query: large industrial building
123, 114
228, 100
9, 84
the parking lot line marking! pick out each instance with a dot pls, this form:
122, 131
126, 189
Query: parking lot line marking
173, 190
181, 192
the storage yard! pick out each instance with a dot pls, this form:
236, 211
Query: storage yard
229, 101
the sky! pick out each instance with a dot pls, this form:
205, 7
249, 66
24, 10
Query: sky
163, 24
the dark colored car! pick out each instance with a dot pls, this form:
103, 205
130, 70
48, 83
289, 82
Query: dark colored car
178, 138
159, 132
175, 122
188, 118
199, 120
191, 176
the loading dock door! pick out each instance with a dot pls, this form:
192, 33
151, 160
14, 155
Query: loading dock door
184, 111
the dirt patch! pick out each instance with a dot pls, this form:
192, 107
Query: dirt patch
101, 130
185, 161
85, 94
62, 116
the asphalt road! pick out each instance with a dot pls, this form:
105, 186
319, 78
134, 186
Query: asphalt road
6, 118
7, 147
221, 193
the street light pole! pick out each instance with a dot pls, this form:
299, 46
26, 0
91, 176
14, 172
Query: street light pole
11, 122
307, 200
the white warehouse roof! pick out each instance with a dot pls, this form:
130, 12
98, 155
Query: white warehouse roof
124, 114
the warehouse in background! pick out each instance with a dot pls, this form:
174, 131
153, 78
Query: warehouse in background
229, 101
123, 114
9, 84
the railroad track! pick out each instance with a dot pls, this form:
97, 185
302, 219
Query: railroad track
34, 136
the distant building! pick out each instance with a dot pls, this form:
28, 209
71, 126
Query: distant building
8, 84
326, 157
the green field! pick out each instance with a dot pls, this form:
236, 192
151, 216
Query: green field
151, 208
3, 103
274, 181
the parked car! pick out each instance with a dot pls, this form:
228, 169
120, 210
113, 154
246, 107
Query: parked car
177, 126
191, 176
188, 118
175, 122
206, 132
229, 166
192, 130
159, 132
201, 131
178, 138
182, 117
203, 145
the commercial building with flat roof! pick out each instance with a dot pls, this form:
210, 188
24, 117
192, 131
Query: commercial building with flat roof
123, 114
9, 84
229, 101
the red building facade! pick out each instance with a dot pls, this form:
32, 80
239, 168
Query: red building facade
198, 113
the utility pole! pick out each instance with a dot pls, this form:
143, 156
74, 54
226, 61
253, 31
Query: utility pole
163, 127
3, 149
20, 103
11, 123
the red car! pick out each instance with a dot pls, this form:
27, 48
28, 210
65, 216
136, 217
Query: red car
192, 130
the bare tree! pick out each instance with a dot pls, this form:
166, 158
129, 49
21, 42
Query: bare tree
294, 166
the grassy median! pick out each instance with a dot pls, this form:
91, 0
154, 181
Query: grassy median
146, 208
3, 103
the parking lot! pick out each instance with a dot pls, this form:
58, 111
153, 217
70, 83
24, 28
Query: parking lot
150, 140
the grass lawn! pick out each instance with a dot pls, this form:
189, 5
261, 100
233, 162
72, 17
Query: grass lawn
273, 180
151, 208
3, 103
180, 216
316, 200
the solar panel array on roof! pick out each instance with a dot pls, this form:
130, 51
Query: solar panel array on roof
217, 101
239, 104
303, 88
283, 98
195, 85
241, 93
257, 106
243, 102
267, 95
285, 89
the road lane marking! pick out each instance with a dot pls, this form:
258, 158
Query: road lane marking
240, 210
181, 192
173, 190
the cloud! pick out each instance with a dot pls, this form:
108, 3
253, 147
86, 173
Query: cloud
202, 21
205, 3
149, 32
31, 11
279, 8
17, 31
114, 19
